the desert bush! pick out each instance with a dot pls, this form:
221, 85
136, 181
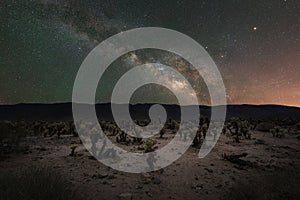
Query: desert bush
35, 184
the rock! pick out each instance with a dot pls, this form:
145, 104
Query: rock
100, 176
138, 187
146, 181
149, 194
259, 141
141, 148
197, 186
111, 176
146, 178
125, 196
42, 149
209, 170
236, 159
156, 181
92, 158
146, 175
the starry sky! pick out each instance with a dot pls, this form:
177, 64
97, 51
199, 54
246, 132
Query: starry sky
255, 44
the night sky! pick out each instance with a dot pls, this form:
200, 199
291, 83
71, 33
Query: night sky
255, 44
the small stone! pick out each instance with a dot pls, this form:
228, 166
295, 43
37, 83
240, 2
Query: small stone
209, 170
259, 141
138, 187
92, 158
100, 176
125, 196
111, 176
197, 186
145, 175
141, 148
149, 194
156, 181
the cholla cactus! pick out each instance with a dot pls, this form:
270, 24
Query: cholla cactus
278, 132
204, 128
237, 128
197, 138
149, 145
173, 125
282, 133
121, 137
245, 129
273, 131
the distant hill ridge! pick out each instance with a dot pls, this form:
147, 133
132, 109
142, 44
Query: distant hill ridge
63, 111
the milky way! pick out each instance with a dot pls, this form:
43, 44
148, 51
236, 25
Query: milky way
255, 44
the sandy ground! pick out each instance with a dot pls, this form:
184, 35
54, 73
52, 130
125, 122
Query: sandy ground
212, 177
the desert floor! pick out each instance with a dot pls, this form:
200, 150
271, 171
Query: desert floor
271, 173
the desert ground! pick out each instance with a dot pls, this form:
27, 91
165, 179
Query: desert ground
262, 166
